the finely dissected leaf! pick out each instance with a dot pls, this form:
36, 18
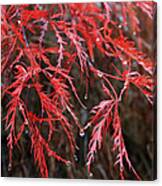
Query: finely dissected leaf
49, 52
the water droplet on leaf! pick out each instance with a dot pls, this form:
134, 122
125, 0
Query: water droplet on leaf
97, 39
82, 133
120, 26
26, 131
40, 7
18, 21
100, 74
68, 163
75, 157
90, 174
92, 60
85, 97
134, 33
9, 167
124, 62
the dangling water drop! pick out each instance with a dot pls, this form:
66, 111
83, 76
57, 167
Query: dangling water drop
90, 174
68, 163
93, 60
40, 7
120, 26
124, 62
9, 167
26, 131
97, 39
82, 133
134, 33
75, 157
100, 74
19, 22
85, 97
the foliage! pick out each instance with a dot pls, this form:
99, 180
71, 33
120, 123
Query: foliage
45, 48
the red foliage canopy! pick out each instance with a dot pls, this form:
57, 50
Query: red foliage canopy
76, 32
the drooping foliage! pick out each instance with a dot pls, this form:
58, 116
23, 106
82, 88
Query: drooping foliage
43, 46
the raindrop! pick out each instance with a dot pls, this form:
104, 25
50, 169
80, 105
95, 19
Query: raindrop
68, 163
121, 59
40, 7
121, 18
26, 131
82, 133
93, 60
134, 33
120, 26
124, 62
85, 97
9, 167
75, 157
97, 39
100, 74
19, 22
90, 174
